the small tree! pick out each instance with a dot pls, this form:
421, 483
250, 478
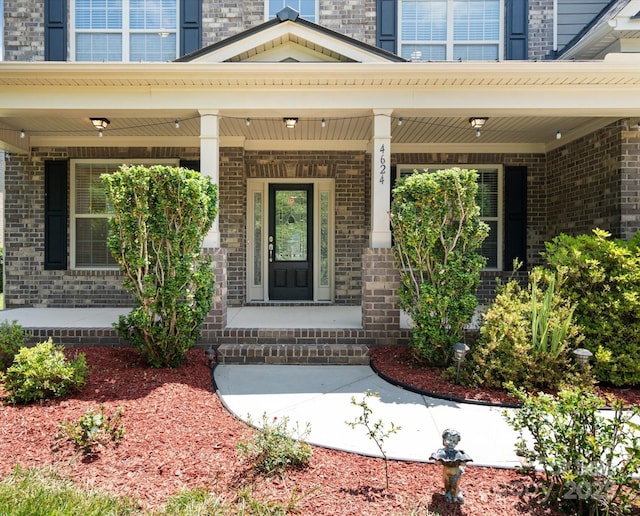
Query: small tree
162, 215
375, 431
438, 233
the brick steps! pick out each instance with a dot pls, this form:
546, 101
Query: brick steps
293, 354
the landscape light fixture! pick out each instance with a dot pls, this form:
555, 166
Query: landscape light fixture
583, 356
210, 355
477, 123
460, 349
290, 122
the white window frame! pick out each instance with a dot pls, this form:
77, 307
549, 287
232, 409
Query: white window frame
316, 9
400, 168
450, 42
72, 202
125, 32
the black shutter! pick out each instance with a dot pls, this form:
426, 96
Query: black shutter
190, 26
55, 215
517, 29
387, 25
55, 30
515, 223
190, 164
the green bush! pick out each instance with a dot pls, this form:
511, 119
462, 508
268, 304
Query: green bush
274, 447
162, 215
437, 239
589, 458
526, 338
602, 279
43, 372
12, 338
93, 429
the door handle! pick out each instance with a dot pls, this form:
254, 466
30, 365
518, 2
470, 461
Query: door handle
270, 249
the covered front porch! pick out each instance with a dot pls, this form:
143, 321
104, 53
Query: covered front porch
275, 334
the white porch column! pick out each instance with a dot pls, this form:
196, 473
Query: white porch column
210, 163
380, 236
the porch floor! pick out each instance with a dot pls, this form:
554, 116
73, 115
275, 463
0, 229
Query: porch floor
332, 316
264, 333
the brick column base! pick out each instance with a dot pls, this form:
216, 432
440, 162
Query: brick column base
380, 311
217, 318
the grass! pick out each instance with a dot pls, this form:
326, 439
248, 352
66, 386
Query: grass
43, 493
40, 492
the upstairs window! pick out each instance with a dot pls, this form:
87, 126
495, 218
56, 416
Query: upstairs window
124, 30
445, 30
308, 9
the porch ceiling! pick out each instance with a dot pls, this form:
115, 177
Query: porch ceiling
410, 132
527, 103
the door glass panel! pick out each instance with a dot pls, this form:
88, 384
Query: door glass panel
291, 225
324, 238
257, 238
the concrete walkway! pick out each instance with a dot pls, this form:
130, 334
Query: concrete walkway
321, 396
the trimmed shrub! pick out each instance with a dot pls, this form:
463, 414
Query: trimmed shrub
602, 279
162, 215
12, 338
43, 372
437, 238
526, 338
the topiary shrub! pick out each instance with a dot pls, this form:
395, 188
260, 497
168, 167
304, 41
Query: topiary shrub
162, 215
43, 372
526, 338
12, 338
602, 279
437, 237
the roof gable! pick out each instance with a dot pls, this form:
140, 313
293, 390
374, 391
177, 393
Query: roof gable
290, 38
616, 29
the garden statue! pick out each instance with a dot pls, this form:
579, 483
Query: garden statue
453, 463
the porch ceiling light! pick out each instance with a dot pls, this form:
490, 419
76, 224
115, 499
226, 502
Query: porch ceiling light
477, 124
290, 122
100, 123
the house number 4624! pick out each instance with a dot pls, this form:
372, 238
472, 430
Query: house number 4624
382, 164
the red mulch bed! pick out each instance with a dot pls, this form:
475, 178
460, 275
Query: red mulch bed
178, 435
396, 363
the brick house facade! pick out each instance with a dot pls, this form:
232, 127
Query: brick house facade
561, 143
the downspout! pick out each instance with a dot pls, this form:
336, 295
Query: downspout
555, 26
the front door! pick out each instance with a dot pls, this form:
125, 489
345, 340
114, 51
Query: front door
290, 242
